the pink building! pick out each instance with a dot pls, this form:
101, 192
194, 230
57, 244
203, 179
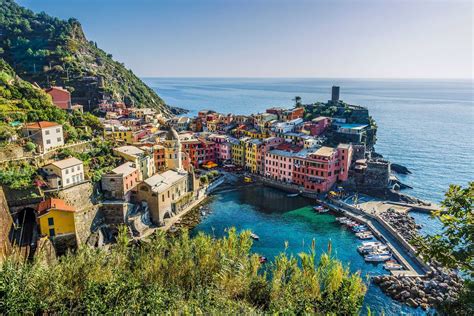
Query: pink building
222, 147
317, 126
61, 97
320, 170
279, 162
269, 143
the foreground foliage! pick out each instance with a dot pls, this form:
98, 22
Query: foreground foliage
454, 246
198, 275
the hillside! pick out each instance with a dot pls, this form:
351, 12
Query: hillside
50, 51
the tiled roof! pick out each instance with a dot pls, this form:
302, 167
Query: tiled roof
39, 125
45, 206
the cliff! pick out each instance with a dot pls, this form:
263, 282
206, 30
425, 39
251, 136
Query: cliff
50, 51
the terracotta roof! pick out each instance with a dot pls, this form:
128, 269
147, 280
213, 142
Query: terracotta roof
45, 206
39, 125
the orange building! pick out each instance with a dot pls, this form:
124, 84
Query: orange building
61, 97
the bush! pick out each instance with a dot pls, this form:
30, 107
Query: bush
30, 146
179, 275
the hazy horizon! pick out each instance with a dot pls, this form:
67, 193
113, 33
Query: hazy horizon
365, 39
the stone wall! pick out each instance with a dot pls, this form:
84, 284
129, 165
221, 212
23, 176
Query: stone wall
87, 217
114, 213
5, 226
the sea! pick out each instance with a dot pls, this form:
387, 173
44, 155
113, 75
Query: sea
425, 125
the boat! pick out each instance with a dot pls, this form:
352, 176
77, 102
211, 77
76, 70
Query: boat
262, 259
320, 209
248, 180
377, 258
364, 235
203, 213
371, 249
254, 236
372, 243
293, 195
341, 219
392, 265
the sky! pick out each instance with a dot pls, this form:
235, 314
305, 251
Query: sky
279, 38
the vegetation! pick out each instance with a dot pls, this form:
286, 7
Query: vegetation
20, 101
18, 175
454, 246
97, 161
51, 51
180, 275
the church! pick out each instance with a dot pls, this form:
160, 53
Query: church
170, 192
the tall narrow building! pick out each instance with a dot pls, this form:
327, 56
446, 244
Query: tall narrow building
173, 151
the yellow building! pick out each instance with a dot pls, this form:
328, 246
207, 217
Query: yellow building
251, 151
56, 218
238, 151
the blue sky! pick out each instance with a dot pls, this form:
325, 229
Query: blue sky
279, 38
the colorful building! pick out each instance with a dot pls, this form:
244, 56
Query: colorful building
252, 148
238, 151
61, 97
120, 181
56, 218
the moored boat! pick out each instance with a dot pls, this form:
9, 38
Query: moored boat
392, 265
377, 258
254, 236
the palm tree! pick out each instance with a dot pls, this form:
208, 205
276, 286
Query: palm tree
297, 100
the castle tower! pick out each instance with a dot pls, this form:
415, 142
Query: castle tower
173, 150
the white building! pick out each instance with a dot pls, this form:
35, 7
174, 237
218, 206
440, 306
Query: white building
46, 135
143, 159
64, 173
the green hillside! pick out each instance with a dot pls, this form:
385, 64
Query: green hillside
50, 51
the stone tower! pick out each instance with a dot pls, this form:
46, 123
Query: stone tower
173, 151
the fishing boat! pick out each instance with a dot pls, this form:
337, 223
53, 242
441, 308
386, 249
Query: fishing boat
377, 258
254, 236
392, 265
262, 259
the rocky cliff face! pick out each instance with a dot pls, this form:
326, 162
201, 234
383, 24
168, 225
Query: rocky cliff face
51, 51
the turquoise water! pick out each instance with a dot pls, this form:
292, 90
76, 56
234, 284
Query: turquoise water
426, 125
277, 219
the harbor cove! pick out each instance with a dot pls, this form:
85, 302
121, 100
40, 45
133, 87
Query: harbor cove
263, 159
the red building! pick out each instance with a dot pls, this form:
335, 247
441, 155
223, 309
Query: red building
61, 97
199, 151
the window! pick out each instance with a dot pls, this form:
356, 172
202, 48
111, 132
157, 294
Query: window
52, 232
46, 132
58, 130
162, 198
59, 139
67, 181
48, 141
50, 221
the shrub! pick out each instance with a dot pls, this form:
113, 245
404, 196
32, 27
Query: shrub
30, 146
183, 275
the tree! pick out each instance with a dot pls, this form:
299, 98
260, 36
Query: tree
297, 100
454, 246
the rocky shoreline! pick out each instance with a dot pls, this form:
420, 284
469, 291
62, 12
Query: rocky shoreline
434, 288
437, 286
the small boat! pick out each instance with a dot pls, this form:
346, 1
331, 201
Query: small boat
203, 213
371, 249
372, 243
262, 259
392, 265
254, 236
341, 219
377, 258
320, 209
293, 195
365, 235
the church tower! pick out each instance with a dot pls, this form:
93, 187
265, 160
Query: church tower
173, 151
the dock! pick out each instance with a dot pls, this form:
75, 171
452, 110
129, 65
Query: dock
401, 250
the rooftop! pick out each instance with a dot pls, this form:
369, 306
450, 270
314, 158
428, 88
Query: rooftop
161, 182
325, 151
129, 150
124, 169
45, 206
40, 125
66, 163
